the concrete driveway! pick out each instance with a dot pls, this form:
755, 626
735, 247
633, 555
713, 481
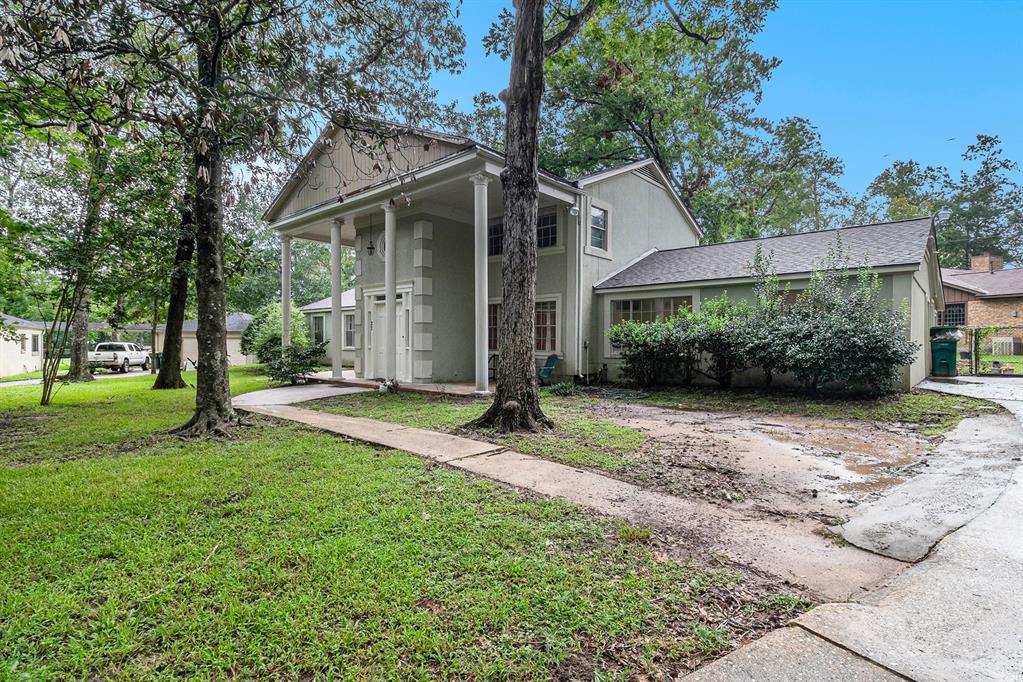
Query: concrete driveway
955, 615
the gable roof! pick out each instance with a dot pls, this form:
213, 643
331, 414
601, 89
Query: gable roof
20, 323
653, 171
985, 284
347, 301
901, 243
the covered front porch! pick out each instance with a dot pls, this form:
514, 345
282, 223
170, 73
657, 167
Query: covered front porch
427, 279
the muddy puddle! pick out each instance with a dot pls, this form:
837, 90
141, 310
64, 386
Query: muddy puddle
773, 465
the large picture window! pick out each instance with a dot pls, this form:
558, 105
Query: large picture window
545, 326
546, 232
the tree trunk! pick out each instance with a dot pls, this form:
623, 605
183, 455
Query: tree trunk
213, 410
516, 404
170, 363
79, 370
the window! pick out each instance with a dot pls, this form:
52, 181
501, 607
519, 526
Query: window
671, 306
546, 325
547, 228
493, 320
789, 298
35, 344
495, 237
598, 228
349, 329
318, 334
954, 315
648, 309
546, 232
22, 339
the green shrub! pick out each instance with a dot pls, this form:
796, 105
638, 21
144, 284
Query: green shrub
839, 329
262, 337
294, 362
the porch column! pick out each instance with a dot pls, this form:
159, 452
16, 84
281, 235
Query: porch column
390, 246
479, 187
336, 319
285, 290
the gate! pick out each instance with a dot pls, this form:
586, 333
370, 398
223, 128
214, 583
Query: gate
991, 350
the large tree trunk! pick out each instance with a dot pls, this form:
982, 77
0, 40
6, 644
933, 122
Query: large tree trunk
170, 363
517, 400
79, 370
213, 410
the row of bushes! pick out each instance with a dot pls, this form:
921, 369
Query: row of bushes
838, 329
262, 338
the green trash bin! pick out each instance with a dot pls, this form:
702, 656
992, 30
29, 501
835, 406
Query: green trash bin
157, 359
944, 349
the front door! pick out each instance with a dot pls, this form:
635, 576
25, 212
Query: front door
403, 351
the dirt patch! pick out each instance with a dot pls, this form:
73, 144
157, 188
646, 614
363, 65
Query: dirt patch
783, 466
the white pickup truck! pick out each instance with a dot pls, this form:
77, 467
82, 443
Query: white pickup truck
118, 356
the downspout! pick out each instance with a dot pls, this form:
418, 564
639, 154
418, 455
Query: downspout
580, 236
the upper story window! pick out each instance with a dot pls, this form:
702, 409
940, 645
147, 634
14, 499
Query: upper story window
546, 232
598, 228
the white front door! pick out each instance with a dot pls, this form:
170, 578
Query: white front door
403, 326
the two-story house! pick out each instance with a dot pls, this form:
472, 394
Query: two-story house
423, 214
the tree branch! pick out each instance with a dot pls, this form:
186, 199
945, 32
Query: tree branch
572, 25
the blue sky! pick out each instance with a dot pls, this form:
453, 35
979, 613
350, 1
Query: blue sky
881, 80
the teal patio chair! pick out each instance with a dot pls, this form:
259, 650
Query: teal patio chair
544, 375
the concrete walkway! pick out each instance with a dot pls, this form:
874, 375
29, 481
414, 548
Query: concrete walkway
831, 571
954, 616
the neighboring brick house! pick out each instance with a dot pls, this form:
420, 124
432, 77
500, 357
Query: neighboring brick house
987, 294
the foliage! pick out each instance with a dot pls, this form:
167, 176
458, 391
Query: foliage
262, 337
986, 202
294, 362
839, 329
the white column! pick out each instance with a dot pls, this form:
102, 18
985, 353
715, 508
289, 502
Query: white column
336, 319
479, 187
390, 303
285, 290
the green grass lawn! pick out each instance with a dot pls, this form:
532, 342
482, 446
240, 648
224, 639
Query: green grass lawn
38, 374
579, 439
290, 553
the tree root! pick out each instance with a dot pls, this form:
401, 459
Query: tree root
509, 417
209, 425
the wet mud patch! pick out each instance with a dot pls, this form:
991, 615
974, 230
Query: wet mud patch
780, 466
16, 430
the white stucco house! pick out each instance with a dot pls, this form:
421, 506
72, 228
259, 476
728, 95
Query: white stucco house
427, 232
24, 352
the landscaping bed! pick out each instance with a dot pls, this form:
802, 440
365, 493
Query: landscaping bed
290, 553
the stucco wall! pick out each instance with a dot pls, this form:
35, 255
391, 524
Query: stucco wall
642, 216
190, 349
14, 361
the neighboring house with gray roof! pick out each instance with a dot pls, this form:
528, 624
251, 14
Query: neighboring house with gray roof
424, 217
25, 352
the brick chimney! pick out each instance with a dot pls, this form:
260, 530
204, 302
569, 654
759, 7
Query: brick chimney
985, 262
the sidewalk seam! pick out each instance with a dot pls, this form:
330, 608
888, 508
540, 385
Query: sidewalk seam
839, 645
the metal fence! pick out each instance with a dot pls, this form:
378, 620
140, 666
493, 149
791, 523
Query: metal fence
991, 351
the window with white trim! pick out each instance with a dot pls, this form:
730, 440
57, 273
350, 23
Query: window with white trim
348, 329
35, 344
317, 328
546, 232
545, 326
598, 228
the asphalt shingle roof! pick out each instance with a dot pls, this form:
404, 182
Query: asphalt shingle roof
879, 245
20, 323
998, 283
347, 301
